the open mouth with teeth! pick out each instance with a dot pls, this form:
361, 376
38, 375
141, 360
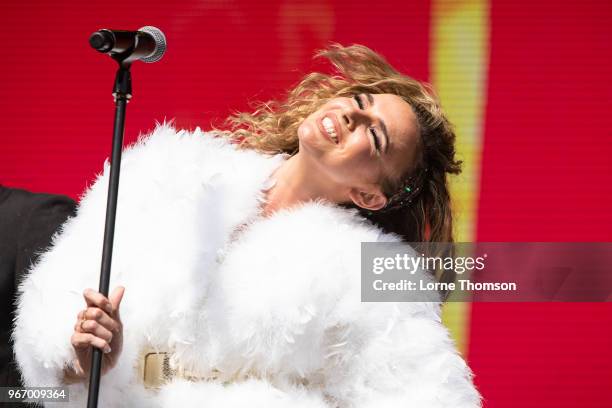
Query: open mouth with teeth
328, 125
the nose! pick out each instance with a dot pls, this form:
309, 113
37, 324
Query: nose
353, 118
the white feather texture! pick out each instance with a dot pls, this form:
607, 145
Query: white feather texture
275, 310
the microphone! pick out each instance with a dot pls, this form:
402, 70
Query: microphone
148, 44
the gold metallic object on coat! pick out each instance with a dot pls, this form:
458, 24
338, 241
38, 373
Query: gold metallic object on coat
155, 370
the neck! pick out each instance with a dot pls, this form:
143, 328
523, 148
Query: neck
299, 181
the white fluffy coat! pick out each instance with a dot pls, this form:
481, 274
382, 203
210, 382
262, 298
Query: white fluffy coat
276, 308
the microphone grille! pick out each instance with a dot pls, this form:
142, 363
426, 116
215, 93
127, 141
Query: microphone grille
160, 43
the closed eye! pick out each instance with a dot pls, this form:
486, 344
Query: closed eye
357, 98
375, 138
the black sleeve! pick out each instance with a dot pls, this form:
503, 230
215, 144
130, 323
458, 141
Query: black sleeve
27, 224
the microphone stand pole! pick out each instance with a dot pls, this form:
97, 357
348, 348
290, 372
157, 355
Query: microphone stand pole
122, 92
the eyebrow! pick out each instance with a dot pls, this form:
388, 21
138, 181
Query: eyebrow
382, 123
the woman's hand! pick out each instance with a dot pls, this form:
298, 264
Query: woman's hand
99, 326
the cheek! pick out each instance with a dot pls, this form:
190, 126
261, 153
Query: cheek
358, 163
360, 150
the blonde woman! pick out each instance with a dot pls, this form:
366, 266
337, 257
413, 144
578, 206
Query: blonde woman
239, 255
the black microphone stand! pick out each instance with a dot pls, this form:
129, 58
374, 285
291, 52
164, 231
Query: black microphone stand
122, 92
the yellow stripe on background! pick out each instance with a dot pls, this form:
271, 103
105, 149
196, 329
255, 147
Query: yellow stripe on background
458, 63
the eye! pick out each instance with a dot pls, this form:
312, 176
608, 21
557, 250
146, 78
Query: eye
372, 130
375, 139
357, 98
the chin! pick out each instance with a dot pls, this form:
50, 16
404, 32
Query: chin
308, 139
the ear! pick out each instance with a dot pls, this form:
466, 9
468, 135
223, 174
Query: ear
370, 199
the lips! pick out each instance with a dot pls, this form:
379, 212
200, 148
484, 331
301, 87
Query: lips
336, 127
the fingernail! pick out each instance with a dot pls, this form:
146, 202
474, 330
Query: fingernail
107, 349
109, 309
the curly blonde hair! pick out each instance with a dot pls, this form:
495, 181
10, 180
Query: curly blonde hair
419, 207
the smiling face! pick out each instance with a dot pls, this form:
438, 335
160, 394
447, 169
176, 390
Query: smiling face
360, 141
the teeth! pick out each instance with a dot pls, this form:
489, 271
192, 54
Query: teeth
328, 124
